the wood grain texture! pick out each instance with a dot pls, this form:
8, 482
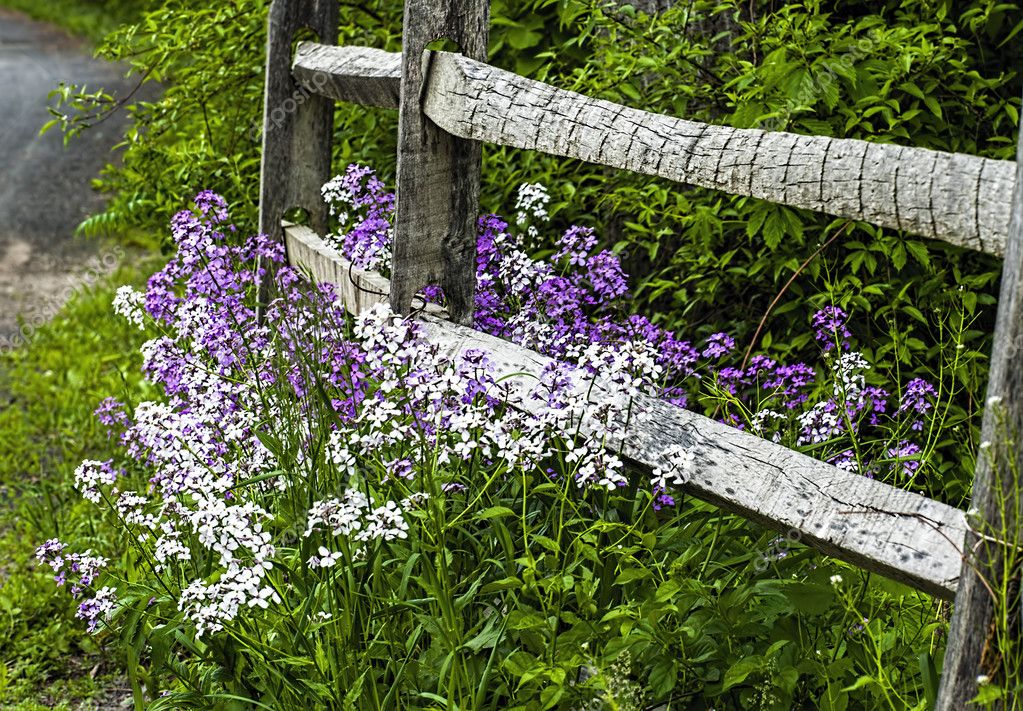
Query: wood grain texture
297, 125
359, 289
437, 199
359, 75
959, 198
971, 649
898, 534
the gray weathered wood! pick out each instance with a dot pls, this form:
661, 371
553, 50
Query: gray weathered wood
971, 649
958, 198
437, 200
955, 197
358, 289
297, 125
360, 75
893, 532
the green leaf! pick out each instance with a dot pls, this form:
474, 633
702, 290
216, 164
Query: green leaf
493, 512
929, 675
919, 252
663, 677
486, 639
809, 598
738, 672
631, 575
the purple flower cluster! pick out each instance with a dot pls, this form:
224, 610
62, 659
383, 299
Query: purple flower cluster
374, 420
906, 458
83, 567
363, 208
916, 400
830, 328
254, 407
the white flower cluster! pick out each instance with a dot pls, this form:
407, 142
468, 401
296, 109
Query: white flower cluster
129, 304
210, 606
760, 419
520, 273
336, 194
196, 454
676, 468
850, 381
631, 366
353, 517
531, 203
131, 508
818, 424
90, 475
463, 429
343, 517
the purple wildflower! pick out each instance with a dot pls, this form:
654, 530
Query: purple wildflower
718, 345
905, 456
829, 324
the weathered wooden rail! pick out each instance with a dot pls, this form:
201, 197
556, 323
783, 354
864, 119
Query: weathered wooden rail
450, 103
958, 198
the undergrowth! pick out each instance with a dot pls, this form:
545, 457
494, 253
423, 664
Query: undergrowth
48, 390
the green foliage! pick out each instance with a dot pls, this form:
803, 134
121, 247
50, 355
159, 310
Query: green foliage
933, 75
520, 589
898, 72
49, 388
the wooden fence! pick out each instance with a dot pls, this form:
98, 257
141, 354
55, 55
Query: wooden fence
451, 103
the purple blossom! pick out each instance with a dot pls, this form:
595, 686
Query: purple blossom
829, 328
905, 458
662, 499
916, 400
791, 382
576, 244
605, 274
718, 345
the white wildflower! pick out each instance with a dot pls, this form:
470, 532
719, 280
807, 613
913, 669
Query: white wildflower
531, 203
129, 304
677, 464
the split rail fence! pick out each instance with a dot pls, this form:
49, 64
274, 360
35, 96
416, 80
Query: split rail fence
450, 103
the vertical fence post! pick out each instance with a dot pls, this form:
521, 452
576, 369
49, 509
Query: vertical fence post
297, 125
992, 546
438, 174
